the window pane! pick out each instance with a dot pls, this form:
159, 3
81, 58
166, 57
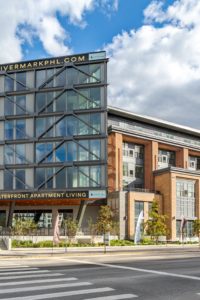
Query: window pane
83, 76
61, 179
9, 83
84, 129
71, 151
20, 179
20, 129
95, 148
48, 152
71, 126
61, 128
40, 150
71, 100
48, 101
95, 176
20, 104
61, 78
9, 105
8, 154
39, 176
49, 73
61, 153
71, 76
83, 176
95, 71
40, 101
9, 130
84, 103
40, 77
96, 123
8, 180
20, 154
49, 173
61, 102
83, 150
95, 95
20, 81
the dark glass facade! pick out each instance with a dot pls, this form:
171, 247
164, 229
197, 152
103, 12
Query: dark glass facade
53, 126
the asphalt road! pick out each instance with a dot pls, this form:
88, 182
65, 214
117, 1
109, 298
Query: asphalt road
101, 278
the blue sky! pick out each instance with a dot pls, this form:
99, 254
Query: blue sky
103, 23
153, 47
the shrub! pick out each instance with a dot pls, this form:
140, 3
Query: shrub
121, 243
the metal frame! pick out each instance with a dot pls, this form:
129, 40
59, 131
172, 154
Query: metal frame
61, 115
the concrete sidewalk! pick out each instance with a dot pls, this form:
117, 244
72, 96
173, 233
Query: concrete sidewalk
26, 252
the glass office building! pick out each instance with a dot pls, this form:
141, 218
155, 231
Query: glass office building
53, 132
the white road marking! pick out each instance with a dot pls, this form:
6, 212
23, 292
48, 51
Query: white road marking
17, 269
12, 266
37, 281
24, 272
44, 287
31, 276
114, 297
61, 294
135, 269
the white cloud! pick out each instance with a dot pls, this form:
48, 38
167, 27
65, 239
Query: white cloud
22, 20
156, 70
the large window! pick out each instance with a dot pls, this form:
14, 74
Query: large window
15, 82
44, 102
15, 179
44, 78
80, 99
15, 129
194, 163
15, 154
133, 165
188, 230
59, 77
70, 177
82, 150
185, 198
166, 159
15, 105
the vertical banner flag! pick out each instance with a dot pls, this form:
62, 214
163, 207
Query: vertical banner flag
138, 227
56, 234
182, 226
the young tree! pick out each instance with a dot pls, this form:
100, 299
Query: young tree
196, 228
156, 225
104, 220
71, 227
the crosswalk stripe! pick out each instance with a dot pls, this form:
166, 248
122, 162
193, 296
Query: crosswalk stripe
62, 294
114, 297
44, 287
24, 272
17, 269
37, 281
31, 276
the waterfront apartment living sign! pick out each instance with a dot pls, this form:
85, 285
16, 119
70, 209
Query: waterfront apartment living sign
44, 195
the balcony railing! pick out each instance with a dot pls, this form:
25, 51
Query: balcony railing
140, 190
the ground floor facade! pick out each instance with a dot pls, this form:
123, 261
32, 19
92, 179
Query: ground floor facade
47, 213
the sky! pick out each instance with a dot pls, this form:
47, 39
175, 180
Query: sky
153, 47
